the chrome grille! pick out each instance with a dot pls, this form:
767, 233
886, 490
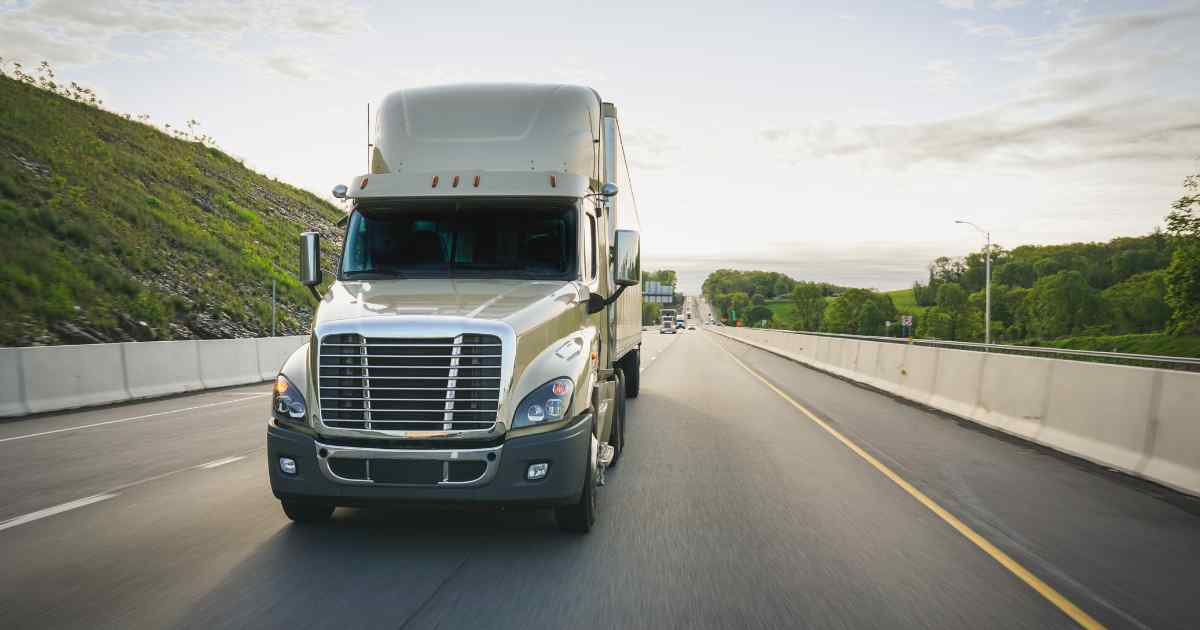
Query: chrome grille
416, 384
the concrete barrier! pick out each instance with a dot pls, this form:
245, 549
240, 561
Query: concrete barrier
273, 351
225, 362
1142, 421
53, 378
1173, 452
12, 398
158, 368
63, 377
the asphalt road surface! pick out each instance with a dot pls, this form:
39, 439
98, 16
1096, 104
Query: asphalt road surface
730, 508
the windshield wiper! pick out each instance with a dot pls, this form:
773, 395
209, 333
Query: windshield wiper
371, 275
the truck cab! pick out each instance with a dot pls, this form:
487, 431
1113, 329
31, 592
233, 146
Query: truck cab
483, 328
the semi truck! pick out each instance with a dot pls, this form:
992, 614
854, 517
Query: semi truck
483, 328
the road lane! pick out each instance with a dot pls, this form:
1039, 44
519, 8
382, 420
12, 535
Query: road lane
1105, 540
725, 511
43, 469
728, 509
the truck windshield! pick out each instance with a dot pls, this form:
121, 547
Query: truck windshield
443, 238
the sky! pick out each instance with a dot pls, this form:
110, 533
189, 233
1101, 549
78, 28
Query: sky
833, 141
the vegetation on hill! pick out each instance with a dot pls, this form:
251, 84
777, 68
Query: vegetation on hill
1135, 294
115, 230
753, 296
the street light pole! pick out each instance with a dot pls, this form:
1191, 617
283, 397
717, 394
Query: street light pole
987, 255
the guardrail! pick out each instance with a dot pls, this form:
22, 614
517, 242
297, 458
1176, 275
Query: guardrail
1143, 421
1191, 364
53, 378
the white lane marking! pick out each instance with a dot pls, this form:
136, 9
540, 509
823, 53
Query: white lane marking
51, 511
112, 492
221, 462
132, 418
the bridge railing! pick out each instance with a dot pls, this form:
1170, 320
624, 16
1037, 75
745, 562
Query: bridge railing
1190, 364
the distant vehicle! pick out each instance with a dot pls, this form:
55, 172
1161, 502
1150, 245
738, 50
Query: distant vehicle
500, 376
668, 313
668, 327
691, 327
679, 323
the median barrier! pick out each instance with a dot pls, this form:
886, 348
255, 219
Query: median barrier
273, 351
1013, 393
225, 362
158, 368
1173, 451
54, 378
918, 373
1099, 413
12, 400
1143, 421
956, 387
63, 377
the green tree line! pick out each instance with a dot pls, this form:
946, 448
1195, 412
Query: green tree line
1040, 293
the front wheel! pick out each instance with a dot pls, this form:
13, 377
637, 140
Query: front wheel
579, 517
307, 512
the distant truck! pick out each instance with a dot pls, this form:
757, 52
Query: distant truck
484, 327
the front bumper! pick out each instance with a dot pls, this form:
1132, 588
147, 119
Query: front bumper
567, 450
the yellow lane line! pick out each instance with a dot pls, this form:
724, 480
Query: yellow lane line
1045, 590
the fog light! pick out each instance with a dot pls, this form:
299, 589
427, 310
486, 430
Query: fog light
287, 465
537, 471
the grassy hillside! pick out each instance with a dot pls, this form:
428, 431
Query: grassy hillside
906, 302
1151, 343
112, 230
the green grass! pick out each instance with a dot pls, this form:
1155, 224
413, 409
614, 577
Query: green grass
1151, 343
906, 302
783, 312
105, 220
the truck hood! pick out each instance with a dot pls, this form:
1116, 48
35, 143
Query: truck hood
520, 302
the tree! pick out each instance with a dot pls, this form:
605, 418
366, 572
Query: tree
953, 317
758, 315
1062, 304
845, 314
651, 314
1183, 275
1138, 304
739, 302
809, 301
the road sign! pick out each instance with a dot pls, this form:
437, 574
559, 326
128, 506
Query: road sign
906, 320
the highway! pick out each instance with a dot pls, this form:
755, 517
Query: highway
735, 505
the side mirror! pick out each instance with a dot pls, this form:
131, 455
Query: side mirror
340, 191
608, 190
310, 259
628, 258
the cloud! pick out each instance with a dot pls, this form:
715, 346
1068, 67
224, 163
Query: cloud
1099, 96
287, 65
957, 4
986, 30
1001, 5
648, 149
945, 74
85, 31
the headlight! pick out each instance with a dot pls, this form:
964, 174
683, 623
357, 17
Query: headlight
287, 403
548, 403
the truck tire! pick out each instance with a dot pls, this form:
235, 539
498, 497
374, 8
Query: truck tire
578, 517
633, 373
307, 512
617, 438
